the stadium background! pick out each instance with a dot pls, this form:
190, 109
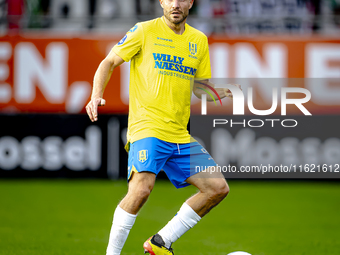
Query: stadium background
62, 176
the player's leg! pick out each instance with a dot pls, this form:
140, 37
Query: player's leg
146, 158
212, 190
140, 187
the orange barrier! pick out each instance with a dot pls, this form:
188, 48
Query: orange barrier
54, 74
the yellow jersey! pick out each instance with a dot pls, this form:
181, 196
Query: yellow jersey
162, 72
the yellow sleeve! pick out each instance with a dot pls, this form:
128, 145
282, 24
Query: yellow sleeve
204, 69
130, 44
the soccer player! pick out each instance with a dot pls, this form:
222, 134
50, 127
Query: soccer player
167, 57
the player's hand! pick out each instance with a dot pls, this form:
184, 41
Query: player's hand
228, 93
92, 108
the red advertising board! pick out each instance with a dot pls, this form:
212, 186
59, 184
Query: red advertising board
44, 74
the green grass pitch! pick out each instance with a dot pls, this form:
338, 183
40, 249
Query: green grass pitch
73, 217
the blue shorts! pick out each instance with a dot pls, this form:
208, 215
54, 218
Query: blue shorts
179, 161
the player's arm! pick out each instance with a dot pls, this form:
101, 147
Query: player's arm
202, 86
101, 78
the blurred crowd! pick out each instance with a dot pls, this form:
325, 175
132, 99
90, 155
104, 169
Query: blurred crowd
211, 16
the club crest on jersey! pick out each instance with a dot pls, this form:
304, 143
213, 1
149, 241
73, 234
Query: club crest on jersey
143, 155
192, 48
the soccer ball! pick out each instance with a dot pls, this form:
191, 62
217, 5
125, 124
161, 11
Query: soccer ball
239, 253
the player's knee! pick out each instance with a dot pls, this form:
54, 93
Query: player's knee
224, 191
141, 185
219, 190
140, 192
143, 192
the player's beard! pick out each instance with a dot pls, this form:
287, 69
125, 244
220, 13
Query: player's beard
176, 21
